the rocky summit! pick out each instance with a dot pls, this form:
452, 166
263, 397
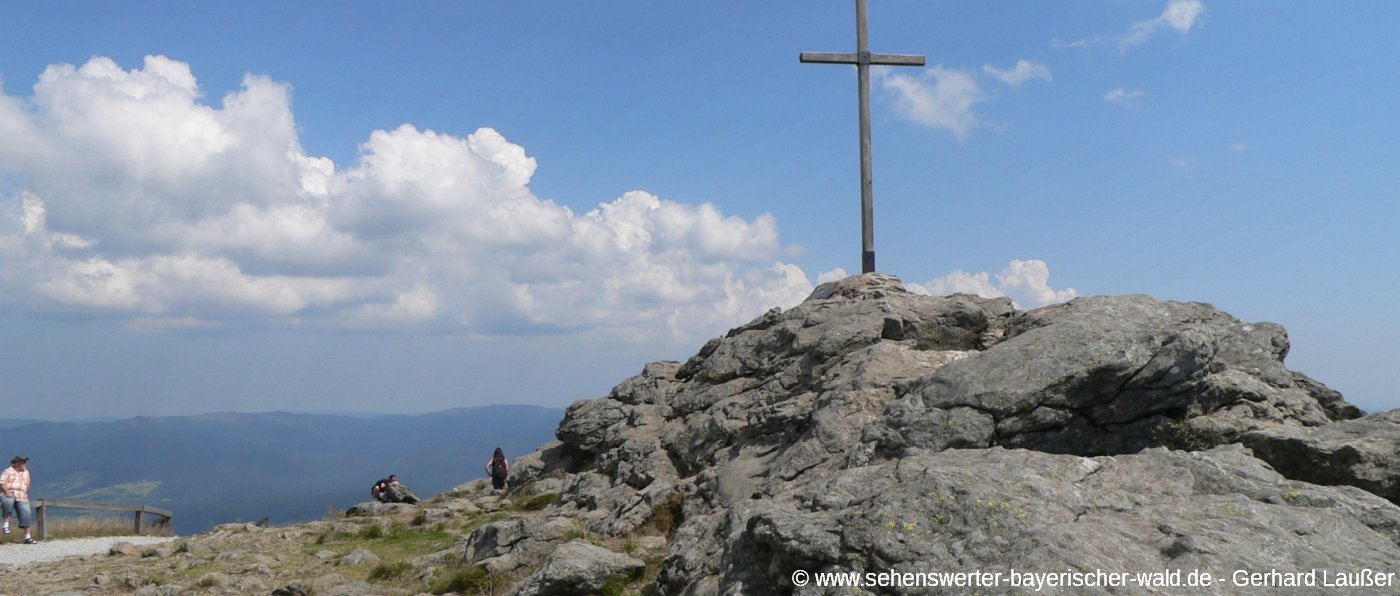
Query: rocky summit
1107, 445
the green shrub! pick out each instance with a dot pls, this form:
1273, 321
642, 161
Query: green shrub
385, 572
581, 533
615, 586
619, 585
668, 515
1183, 437
471, 580
372, 532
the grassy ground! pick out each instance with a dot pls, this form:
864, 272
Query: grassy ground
86, 526
398, 540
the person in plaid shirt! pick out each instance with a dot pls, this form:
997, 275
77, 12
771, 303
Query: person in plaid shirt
14, 494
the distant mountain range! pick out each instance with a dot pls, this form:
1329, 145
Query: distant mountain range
217, 468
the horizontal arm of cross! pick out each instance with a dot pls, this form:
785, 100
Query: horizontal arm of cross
835, 58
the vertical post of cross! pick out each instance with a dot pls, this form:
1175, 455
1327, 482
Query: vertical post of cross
862, 59
867, 167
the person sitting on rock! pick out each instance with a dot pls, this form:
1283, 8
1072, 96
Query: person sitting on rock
377, 491
389, 490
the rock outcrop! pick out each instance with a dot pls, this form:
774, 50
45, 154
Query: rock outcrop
871, 428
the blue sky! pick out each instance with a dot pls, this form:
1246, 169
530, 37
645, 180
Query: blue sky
355, 207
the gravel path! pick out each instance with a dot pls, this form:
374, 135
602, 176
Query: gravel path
15, 554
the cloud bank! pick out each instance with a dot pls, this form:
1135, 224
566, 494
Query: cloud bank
1026, 283
122, 194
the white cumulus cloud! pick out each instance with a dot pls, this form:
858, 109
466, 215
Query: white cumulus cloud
1023, 71
938, 98
122, 192
836, 274
1027, 283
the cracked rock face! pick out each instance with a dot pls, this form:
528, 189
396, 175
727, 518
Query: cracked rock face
1364, 452
997, 509
872, 428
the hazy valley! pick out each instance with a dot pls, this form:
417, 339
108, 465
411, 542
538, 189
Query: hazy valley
215, 468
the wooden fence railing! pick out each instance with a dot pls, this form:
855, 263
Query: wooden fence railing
41, 508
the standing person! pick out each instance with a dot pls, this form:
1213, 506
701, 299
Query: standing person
14, 482
498, 468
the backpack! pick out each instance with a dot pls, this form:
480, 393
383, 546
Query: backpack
498, 468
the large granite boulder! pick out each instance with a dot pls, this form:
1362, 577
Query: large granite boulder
577, 568
872, 428
510, 544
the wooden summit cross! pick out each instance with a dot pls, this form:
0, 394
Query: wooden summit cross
863, 59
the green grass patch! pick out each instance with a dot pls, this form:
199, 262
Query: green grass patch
398, 542
582, 533
537, 502
406, 541
396, 571
637, 582
476, 523
667, 516
471, 580
622, 585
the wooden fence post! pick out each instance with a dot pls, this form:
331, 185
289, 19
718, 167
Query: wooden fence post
41, 512
138, 522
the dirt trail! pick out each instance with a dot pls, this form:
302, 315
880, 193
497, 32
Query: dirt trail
15, 554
